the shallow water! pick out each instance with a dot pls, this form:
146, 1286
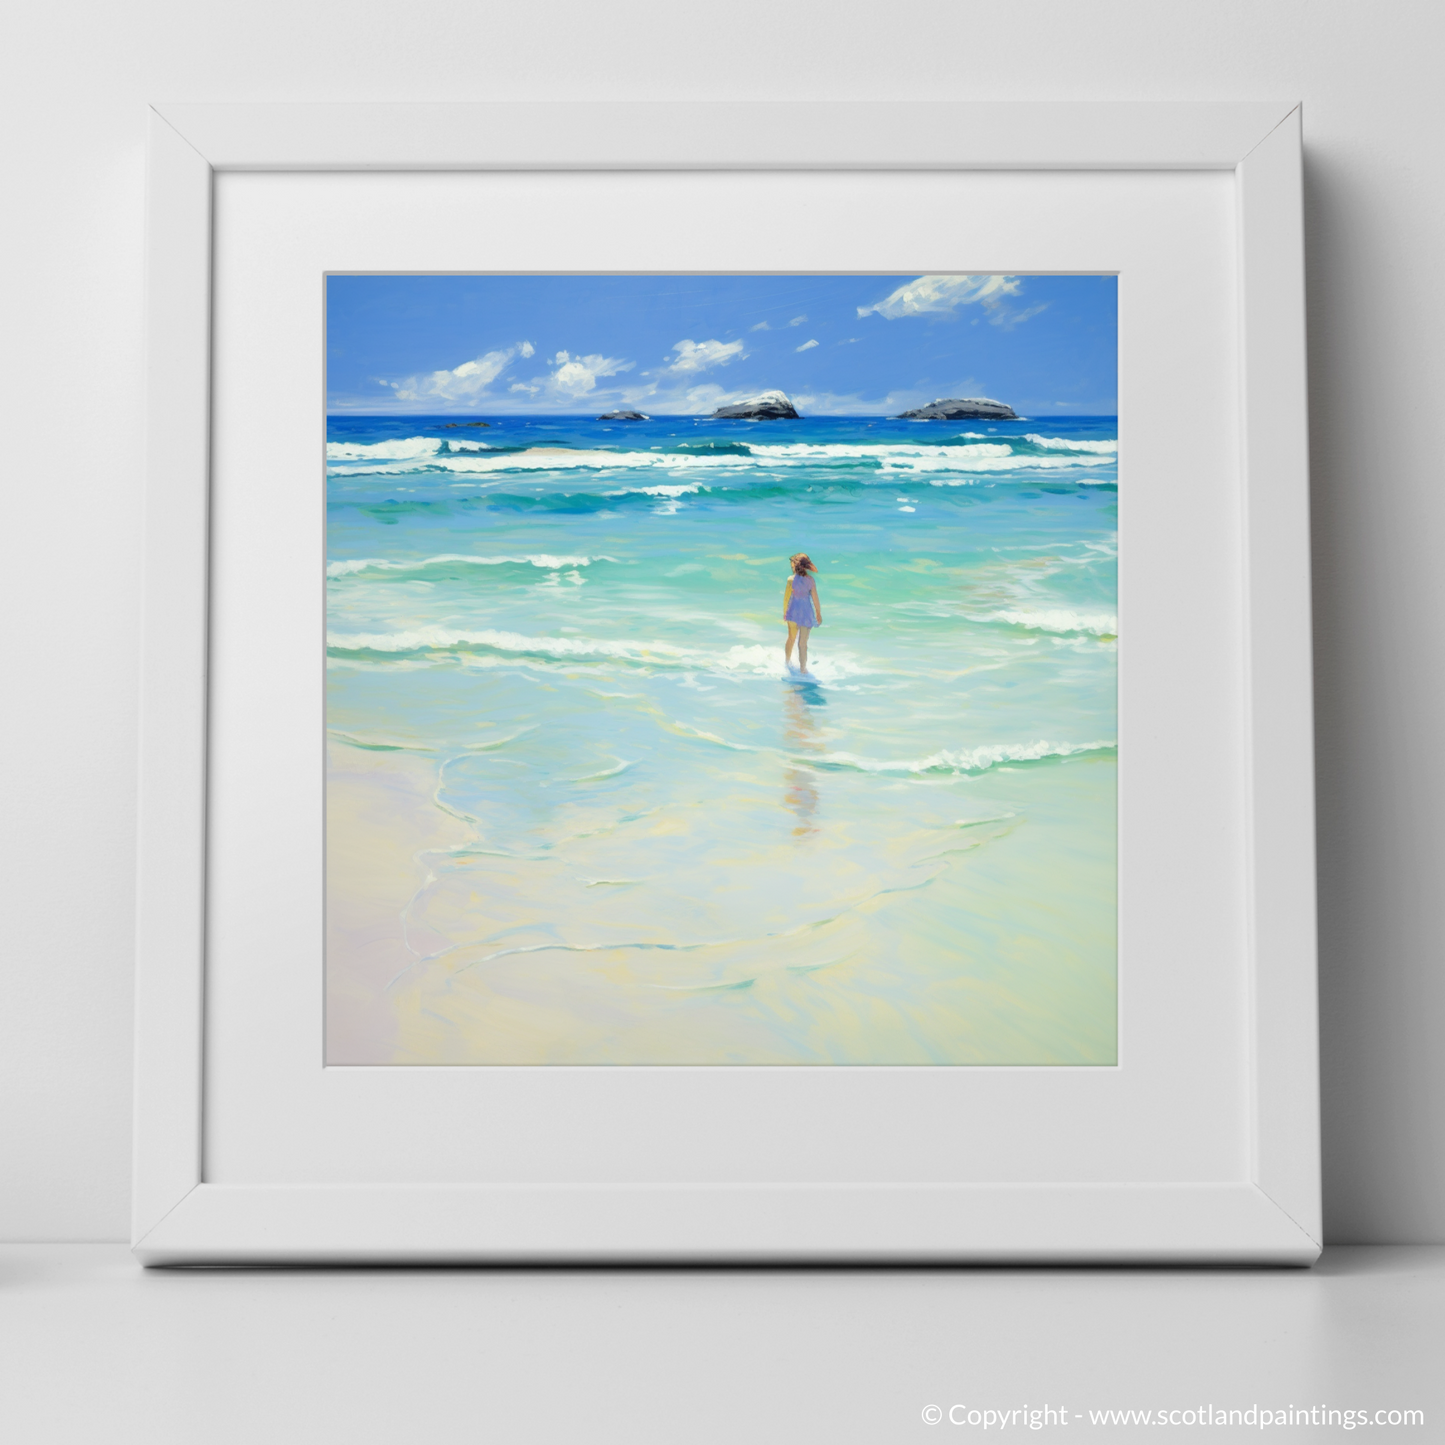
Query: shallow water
678, 850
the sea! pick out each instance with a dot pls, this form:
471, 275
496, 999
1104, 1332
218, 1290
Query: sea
670, 846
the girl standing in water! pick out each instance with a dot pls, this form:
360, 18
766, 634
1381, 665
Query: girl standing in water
802, 608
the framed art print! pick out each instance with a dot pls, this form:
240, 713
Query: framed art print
733, 688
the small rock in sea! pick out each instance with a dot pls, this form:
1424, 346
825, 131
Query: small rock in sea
769, 406
449, 425
624, 416
969, 408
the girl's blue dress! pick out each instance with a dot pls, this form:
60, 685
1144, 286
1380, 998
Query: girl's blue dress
800, 602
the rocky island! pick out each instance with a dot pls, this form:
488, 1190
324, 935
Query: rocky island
624, 416
451, 425
768, 406
969, 408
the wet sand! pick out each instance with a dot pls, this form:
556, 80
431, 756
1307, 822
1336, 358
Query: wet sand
999, 950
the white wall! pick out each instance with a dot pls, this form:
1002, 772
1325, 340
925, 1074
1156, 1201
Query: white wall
78, 76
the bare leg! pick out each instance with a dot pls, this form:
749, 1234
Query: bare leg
788, 649
803, 648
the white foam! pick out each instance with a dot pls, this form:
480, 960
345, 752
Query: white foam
426, 454
756, 659
561, 459
378, 564
1064, 444
1057, 619
421, 639
950, 460
968, 760
678, 491
410, 449
767, 661
877, 452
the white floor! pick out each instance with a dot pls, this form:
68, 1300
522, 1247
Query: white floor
94, 1349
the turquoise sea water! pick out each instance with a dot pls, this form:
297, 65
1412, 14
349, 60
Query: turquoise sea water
680, 851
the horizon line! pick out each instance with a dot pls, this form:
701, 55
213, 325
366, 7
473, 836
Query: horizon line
709, 416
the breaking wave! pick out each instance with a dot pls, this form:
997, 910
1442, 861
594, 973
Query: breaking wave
964, 760
864, 451
351, 566
755, 659
425, 454
407, 450
1064, 444
1057, 619
678, 491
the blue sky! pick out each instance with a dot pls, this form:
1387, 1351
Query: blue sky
837, 345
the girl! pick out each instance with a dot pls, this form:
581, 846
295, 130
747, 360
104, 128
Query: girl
802, 608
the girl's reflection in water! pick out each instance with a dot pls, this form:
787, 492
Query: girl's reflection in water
801, 735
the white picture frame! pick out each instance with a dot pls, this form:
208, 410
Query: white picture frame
1270, 1213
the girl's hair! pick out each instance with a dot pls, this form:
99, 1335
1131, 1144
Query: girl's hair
802, 563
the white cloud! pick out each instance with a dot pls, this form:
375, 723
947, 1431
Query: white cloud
761, 326
467, 382
683, 399
706, 397
1003, 316
943, 293
699, 355
806, 346
848, 340
797, 321
575, 376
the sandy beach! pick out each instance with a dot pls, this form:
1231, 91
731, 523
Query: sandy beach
383, 829
442, 953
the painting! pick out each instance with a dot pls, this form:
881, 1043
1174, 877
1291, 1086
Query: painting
721, 670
